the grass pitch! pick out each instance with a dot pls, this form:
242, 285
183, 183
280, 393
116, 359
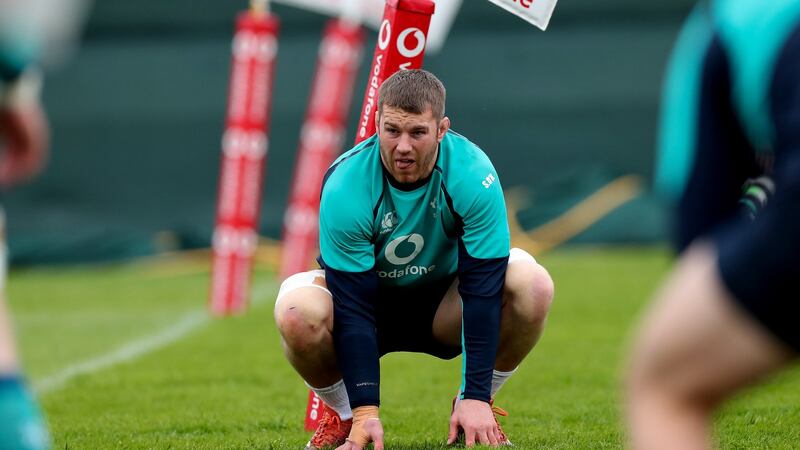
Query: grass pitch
124, 357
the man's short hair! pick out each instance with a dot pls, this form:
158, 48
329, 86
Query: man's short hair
413, 91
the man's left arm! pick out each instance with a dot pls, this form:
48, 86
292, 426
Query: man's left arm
481, 289
482, 262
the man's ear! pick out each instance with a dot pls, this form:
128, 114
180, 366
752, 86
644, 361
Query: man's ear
377, 121
444, 125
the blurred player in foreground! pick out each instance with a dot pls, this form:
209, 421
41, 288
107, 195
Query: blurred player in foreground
23, 143
727, 315
27, 27
414, 243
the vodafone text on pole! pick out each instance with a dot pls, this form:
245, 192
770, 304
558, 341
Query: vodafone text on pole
401, 45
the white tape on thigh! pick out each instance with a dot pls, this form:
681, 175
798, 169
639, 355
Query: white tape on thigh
298, 280
518, 254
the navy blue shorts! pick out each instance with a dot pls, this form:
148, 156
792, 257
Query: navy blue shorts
405, 320
760, 264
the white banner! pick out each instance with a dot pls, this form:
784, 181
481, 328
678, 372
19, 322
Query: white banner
537, 12
371, 13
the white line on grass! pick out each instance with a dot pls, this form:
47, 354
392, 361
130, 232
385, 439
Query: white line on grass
127, 352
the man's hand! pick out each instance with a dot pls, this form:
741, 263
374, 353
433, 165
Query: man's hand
24, 132
477, 420
366, 428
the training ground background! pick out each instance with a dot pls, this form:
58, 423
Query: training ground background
138, 114
122, 351
126, 357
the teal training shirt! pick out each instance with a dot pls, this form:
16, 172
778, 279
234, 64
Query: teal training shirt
409, 237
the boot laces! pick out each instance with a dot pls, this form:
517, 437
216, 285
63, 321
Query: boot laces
330, 431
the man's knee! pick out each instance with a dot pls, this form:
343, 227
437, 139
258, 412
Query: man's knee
303, 314
529, 289
665, 365
657, 364
643, 377
648, 381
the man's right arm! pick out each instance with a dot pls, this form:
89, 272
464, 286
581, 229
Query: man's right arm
348, 257
354, 333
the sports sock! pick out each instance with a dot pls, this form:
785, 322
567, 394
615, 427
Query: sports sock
21, 424
335, 396
499, 378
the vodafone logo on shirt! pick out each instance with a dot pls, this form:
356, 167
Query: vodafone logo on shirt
418, 242
414, 239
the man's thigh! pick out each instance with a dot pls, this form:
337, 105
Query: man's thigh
447, 323
696, 342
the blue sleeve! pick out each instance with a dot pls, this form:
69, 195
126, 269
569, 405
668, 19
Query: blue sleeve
481, 289
722, 160
347, 254
354, 333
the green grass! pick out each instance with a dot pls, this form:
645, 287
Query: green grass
226, 385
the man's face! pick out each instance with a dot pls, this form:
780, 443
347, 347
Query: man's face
409, 142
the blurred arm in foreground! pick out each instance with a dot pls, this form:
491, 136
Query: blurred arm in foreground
32, 32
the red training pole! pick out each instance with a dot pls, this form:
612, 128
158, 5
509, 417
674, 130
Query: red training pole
401, 45
321, 139
244, 149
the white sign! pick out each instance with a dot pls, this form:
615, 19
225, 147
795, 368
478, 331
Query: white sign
371, 13
537, 12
